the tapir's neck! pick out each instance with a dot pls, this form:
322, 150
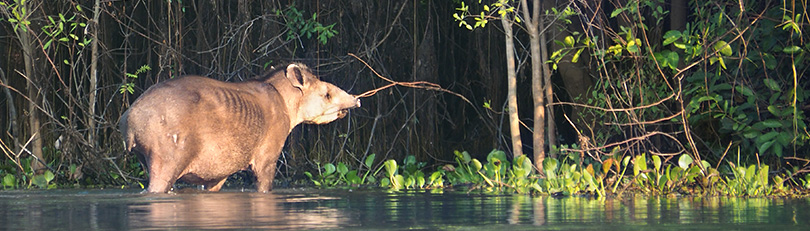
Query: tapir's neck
291, 96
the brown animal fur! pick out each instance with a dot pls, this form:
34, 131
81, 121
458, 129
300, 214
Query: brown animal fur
203, 130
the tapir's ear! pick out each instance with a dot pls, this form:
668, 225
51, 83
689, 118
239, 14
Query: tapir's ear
296, 76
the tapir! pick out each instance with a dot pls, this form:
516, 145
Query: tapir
201, 130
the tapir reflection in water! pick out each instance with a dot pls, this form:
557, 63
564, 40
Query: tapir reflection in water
202, 130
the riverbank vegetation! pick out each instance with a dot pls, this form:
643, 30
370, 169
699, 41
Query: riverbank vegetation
616, 175
650, 96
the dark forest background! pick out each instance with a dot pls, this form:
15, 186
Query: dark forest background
729, 81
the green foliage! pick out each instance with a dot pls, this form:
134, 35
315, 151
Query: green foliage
26, 178
129, 87
20, 14
643, 173
407, 176
494, 11
298, 25
331, 175
750, 181
63, 29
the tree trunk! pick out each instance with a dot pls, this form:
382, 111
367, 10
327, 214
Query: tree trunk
424, 102
533, 28
34, 123
511, 95
551, 130
91, 120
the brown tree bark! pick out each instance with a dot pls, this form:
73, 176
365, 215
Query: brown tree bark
511, 95
91, 120
27, 42
532, 22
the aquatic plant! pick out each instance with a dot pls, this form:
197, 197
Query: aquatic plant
332, 175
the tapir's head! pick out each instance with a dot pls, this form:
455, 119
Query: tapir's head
320, 102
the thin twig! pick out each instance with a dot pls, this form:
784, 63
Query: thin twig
417, 84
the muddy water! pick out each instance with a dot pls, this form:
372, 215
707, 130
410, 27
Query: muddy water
298, 209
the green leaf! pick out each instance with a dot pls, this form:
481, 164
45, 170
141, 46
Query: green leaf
772, 84
550, 164
777, 149
671, 36
723, 48
746, 91
616, 12
774, 110
575, 58
496, 155
633, 46
656, 163
791, 49
9, 180
639, 164
390, 167
476, 165
370, 160
770, 136
772, 123
684, 161
569, 41
342, 168
329, 169
764, 147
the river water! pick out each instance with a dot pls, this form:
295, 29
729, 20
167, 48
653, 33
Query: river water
298, 209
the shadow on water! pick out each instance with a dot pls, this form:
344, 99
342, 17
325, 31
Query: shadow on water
363, 209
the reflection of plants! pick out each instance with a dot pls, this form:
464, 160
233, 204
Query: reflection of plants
298, 25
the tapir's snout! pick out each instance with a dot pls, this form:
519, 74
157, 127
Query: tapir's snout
357, 100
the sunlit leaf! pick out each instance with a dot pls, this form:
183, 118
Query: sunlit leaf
616, 12
329, 169
684, 161
575, 58
342, 168
671, 36
370, 160
791, 49
723, 48
569, 41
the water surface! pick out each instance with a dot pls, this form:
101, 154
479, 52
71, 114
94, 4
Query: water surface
370, 209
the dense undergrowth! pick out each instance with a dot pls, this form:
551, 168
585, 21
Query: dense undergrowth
571, 175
